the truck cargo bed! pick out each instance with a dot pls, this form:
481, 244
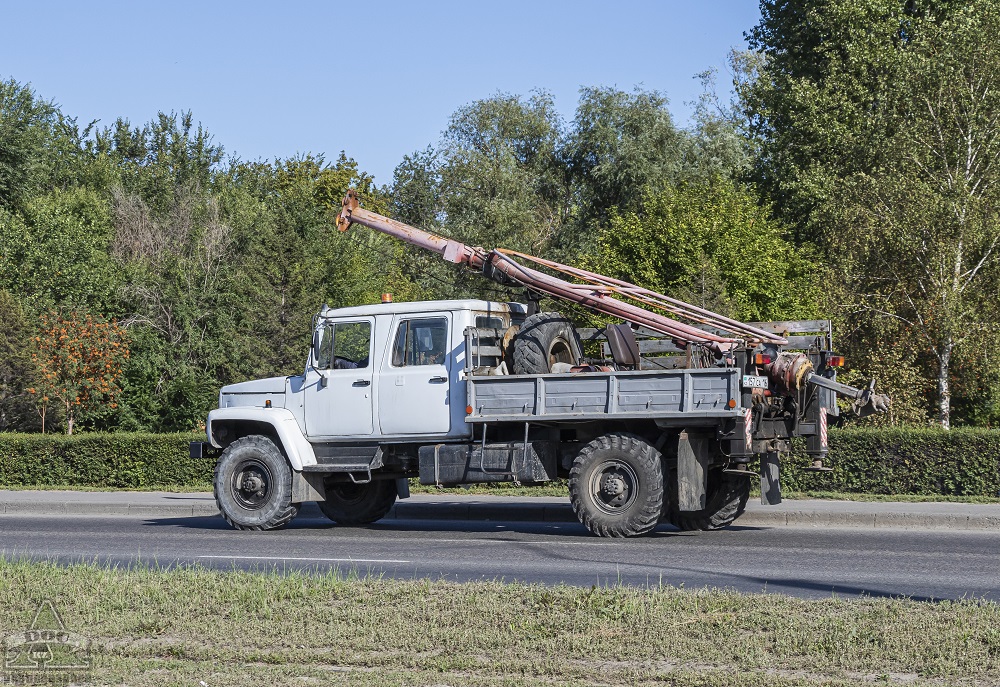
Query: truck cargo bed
682, 394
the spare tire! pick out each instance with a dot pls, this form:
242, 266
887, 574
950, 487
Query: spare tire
545, 340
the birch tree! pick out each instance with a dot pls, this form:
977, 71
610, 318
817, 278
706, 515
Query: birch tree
923, 226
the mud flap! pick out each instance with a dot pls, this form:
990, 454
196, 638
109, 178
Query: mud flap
403, 488
770, 487
307, 486
692, 472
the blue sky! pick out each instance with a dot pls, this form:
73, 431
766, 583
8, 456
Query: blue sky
375, 79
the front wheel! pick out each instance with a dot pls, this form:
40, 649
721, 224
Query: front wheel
358, 504
616, 486
253, 485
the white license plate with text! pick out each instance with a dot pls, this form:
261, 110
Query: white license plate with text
754, 382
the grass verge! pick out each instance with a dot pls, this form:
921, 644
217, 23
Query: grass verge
192, 625
171, 488
898, 498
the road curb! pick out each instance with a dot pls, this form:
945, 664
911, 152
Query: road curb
865, 520
803, 514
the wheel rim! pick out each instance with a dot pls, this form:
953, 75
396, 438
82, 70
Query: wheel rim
613, 486
561, 352
252, 484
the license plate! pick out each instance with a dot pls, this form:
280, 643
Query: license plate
754, 382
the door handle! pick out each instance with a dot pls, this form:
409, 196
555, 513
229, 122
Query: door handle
362, 382
438, 380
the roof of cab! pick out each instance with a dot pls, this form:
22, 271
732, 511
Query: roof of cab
404, 307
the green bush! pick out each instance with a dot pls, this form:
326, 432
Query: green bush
903, 460
919, 461
113, 461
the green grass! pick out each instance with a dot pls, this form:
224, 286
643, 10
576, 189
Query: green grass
904, 498
231, 628
172, 488
560, 488
555, 488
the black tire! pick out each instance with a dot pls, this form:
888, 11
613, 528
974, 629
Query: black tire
358, 504
253, 485
726, 500
616, 486
544, 339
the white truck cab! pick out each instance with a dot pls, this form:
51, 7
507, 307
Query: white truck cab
374, 372
377, 377
391, 371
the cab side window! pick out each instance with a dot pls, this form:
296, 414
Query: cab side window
351, 343
344, 346
420, 342
487, 322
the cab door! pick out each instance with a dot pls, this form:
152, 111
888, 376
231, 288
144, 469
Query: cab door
338, 389
415, 380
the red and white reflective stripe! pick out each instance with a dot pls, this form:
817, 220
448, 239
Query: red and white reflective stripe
748, 428
822, 427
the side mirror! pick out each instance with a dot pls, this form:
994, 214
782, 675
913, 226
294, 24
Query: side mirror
317, 337
317, 355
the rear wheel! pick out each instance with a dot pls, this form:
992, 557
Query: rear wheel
616, 486
253, 485
545, 342
726, 500
358, 504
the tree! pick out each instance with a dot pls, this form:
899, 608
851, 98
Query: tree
56, 251
712, 245
816, 96
510, 172
716, 147
621, 144
41, 149
174, 299
923, 228
500, 179
416, 189
215, 270
28, 129
495, 179
167, 154
295, 260
223, 280
79, 359
16, 368
875, 129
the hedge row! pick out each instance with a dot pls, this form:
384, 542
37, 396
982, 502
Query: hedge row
962, 462
114, 461
909, 460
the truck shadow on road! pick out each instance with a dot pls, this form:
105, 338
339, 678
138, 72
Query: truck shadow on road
318, 525
308, 523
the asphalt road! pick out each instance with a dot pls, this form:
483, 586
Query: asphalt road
803, 562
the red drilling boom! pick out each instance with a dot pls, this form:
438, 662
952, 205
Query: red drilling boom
595, 294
